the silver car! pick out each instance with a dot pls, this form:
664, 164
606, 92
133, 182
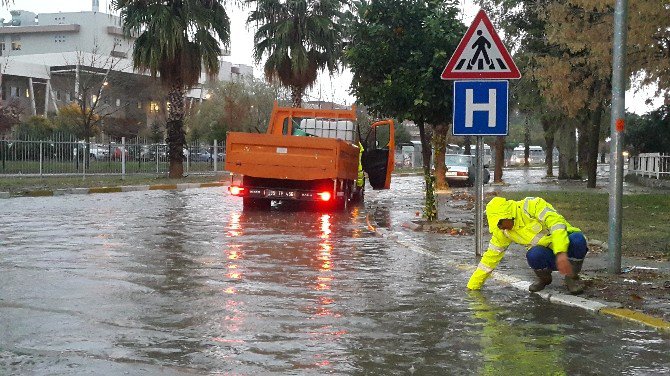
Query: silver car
461, 170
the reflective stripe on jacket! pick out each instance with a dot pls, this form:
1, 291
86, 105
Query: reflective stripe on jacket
536, 222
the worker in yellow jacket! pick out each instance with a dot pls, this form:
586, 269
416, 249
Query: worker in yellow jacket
553, 244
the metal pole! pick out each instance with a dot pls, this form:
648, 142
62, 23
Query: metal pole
83, 160
479, 199
215, 156
617, 128
41, 153
123, 158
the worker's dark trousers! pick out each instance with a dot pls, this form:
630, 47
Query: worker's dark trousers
540, 257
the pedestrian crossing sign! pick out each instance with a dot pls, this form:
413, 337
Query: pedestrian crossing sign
481, 55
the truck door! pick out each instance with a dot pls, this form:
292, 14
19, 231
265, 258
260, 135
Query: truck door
379, 155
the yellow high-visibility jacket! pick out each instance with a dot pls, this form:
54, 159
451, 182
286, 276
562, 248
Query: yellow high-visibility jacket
361, 175
536, 222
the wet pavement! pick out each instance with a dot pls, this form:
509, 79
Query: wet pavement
185, 283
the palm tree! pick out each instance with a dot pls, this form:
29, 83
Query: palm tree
299, 38
176, 40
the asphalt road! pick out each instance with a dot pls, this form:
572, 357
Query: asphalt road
185, 283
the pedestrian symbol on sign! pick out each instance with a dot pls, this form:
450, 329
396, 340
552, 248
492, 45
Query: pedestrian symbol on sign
480, 55
481, 44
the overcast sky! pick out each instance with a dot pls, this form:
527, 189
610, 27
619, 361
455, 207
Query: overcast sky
335, 89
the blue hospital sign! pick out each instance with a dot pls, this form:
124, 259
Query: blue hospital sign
480, 108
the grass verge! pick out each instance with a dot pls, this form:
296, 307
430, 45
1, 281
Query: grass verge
644, 218
20, 185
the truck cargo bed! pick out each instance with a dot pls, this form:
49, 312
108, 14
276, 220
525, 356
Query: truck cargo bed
290, 157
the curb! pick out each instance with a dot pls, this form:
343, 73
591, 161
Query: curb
604, 308
117, 189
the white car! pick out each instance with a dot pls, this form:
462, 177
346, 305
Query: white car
461, 170
96, 151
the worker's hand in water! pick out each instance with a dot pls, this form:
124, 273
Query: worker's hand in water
563, 263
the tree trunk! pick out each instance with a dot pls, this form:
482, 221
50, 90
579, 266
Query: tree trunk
500, 159
594, 139
549, 132
176, 137
526, 142
466, 147
430, 207
568, 151
583, 144
549, 154
296, 96
439, 149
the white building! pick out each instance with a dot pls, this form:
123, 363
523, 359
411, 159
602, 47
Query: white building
44, 59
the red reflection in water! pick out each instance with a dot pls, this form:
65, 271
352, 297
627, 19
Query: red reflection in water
234, 225
325, 226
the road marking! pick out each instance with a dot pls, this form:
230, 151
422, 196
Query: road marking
640, 317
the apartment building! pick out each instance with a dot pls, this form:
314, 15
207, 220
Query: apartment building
48, 60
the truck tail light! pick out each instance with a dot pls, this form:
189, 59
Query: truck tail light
236, 190
325, 196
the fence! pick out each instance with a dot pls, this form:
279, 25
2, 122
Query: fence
655, 165
59, 156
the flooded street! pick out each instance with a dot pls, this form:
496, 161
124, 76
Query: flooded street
185, 283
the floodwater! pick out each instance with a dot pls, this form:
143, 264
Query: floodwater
185, 283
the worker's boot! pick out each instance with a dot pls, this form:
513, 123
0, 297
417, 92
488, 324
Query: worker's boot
574, 284
543, 279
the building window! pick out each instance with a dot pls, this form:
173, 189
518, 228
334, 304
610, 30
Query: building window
118, 102
16, 42
154, 107
14, 91
58, 95
27, 93
68, 98
139, 105
94, 99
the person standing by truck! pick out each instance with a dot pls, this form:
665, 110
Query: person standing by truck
553, 243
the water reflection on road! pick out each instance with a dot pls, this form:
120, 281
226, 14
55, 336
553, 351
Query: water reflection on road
187, 283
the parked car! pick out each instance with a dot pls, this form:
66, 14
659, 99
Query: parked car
96, 151
117, 151
461, 170
201, 156
536, 156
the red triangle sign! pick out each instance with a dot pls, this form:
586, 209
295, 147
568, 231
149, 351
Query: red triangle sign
481, 55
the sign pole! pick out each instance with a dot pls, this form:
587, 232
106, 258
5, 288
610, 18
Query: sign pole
479, 199
480, 103
616, 143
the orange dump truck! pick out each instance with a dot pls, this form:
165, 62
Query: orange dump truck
310, 155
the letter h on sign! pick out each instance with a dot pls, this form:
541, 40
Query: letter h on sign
480, 108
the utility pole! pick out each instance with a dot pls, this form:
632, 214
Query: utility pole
617, 129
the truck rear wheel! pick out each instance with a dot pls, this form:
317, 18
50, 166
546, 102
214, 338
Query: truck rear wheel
249, 203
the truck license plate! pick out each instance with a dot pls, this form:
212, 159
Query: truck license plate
279, 193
